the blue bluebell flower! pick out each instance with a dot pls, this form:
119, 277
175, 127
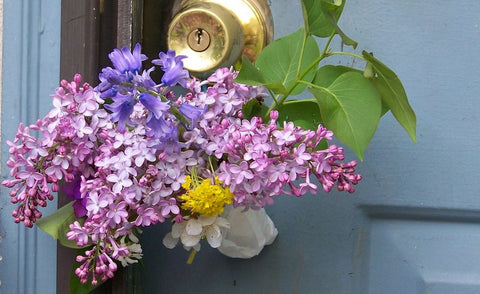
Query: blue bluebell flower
192, 113
153, 104
172, 66
127, 66
121, 108
167, 132
144, 80
170, 142
158, 127
126, 61
110, 79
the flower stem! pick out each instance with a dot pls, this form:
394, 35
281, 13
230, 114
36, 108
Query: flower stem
345, 53
304, 73
192, 256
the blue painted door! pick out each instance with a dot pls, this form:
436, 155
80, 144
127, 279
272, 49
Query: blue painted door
413, 225
30, 72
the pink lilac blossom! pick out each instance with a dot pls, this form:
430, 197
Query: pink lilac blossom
251, 151
37, 165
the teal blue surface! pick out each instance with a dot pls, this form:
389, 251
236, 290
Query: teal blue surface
30, 73
413, 225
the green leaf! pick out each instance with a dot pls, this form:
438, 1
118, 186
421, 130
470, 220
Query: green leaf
316, 21
280, 65
321, 19
254, 108
385, 108
393, 95
327, 74
249, 74
57, 224
350, 106
303, 113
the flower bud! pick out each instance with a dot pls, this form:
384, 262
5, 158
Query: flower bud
274, 115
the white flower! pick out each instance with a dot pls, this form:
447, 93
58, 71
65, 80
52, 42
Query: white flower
191, 230
135, 253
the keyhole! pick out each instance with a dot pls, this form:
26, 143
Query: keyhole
199, 40
199, 36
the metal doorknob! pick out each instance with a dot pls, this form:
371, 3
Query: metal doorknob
216, 33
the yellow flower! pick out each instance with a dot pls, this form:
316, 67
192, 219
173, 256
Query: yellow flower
204, 197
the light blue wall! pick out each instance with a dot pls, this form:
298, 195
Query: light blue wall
31, 64
433, 47
324, 240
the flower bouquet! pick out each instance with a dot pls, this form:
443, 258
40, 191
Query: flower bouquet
131, 152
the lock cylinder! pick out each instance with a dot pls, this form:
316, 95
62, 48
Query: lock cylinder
214, 33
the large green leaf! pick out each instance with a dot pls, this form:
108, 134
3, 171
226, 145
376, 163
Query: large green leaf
249, 74
57, 224
281, 64
393, 95
316, 21
303, 113
327, 74
350, 106
321, 17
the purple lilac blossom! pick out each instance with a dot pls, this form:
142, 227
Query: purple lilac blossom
72, 190
72, 102
252, 151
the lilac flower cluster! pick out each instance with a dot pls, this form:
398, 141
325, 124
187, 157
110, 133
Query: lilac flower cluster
124, 161
69, 134
257, 160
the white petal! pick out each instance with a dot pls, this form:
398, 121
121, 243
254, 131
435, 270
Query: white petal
196, 247
190, 240
177, 229
222, 222
194, 227
133, 238
169, 241
214, 236
207, 220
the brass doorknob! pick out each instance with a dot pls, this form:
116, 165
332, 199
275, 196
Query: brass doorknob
216, 33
